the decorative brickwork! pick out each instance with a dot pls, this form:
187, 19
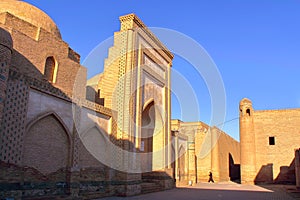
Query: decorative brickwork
76, 138
14, 119
5, 58
54, 141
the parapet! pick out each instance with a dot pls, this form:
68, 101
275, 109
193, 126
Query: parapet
131, 21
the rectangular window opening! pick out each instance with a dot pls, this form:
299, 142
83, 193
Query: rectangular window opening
271, 140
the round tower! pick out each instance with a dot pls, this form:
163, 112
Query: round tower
247, 142
6, 45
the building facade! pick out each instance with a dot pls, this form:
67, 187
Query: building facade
202, 149
268, 140
268, 151
63, 136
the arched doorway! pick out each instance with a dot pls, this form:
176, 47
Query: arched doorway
148, 126
47, 145
173, 164
234, 170
181, 164
47, 148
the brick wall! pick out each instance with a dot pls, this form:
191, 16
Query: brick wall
209, 149
276, 162
33, 46
41, 152
14, 119
222, 157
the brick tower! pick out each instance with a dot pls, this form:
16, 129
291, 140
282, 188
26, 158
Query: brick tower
247, 142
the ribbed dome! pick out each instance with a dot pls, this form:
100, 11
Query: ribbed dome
30, 14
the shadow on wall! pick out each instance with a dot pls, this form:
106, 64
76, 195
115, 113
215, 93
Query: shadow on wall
93, 180
93, 95
285, 176
234, 170
265, 174
22, 65
25, 180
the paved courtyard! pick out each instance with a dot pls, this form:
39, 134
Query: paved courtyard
218, 191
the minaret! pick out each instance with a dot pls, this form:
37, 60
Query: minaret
247, 142
6, 45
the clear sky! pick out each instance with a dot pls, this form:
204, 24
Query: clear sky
255, 44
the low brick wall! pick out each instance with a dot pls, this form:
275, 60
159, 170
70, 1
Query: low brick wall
27, 183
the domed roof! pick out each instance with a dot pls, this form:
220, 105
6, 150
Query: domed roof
245, 101
30, 14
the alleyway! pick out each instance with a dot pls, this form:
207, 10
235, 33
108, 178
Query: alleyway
217, 191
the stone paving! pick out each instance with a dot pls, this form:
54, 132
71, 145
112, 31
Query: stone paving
218, 191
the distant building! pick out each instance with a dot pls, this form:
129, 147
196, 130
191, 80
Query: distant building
268, 140
268, 151
201, 149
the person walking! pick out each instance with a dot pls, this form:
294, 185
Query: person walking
210, 178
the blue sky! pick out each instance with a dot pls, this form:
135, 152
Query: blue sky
254, 43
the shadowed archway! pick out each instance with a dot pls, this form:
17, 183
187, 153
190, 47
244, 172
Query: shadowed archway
234, 170
148, 126
47, 144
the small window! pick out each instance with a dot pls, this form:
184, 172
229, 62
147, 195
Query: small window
271, 140
50, 69
248, 112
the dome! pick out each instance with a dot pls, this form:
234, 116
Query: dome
30, 14
245, 101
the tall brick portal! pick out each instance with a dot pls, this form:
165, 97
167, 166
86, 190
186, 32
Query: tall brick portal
64, 138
